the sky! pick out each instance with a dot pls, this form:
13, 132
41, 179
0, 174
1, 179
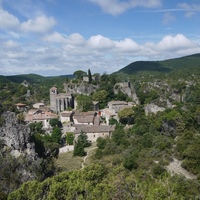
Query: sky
59, 37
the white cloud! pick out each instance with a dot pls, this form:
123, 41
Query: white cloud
98, 53
73, 39
116, 7
178, 42
100, 42
127, 45
55, 38
76, 39
38, 25
8, 21
10, 44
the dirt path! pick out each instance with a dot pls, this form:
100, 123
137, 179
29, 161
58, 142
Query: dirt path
84, 159
175, 168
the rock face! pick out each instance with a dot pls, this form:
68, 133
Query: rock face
127, 88
82, 88
169, 128
152, 108
16, 136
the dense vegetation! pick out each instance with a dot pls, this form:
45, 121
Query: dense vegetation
186, 62
132, 164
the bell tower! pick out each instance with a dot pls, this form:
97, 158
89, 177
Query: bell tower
53, 94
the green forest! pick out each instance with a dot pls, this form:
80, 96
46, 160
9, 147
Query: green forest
133, 162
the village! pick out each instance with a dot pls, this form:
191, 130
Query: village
63, 106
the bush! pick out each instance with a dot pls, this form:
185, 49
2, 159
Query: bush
70, 138
158, 170
130, 162
101, 143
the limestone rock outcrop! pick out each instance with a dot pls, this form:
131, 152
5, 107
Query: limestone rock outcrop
152, 108
82, 88
128, 89
16, 136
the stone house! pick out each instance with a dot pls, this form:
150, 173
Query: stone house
113, 108
40, 116
21, 107
89, 123
94, 132
86, 118
65, 116
116, 106
38, 105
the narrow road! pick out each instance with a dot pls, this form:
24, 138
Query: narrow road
84, 159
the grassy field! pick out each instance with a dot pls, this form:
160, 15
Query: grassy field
66, 161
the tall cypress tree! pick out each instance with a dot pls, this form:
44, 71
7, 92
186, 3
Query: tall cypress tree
89, 76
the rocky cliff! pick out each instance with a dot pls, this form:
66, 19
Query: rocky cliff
18, 159
16, 136
81, 88
128, 89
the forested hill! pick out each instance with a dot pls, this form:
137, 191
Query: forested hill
33, 78
186, 62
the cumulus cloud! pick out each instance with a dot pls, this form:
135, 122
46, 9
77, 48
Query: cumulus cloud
55, 37
99, 53
100, 42
76, 39
127, 45
73, 39
116, 7
8, 21
38, 25
174, 43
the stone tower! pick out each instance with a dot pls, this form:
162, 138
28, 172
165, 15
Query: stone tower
61, 101
53, 94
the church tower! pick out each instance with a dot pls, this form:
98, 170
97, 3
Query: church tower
53, 94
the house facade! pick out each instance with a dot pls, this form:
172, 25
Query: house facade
34, 116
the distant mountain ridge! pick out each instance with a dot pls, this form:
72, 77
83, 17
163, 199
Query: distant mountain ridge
191, 61
31, 78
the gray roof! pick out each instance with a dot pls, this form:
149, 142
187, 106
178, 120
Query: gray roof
94, 129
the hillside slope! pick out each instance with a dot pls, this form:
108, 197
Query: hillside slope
191, 61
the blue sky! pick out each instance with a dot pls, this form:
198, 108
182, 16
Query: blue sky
57, 37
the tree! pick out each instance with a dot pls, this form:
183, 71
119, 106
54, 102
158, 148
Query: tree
36, 127
56, 135
55, 122
84, 139
100, 95
126, 116
89, 76
70, 138
112, 121
79, 149
84, 102
80, 144
79, 74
